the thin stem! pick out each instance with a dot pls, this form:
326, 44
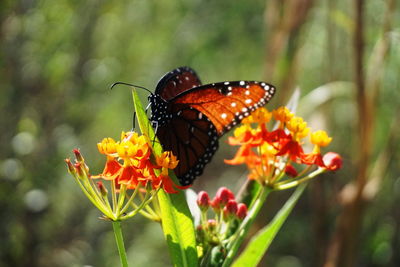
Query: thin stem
120, 243
114, 195
92, 199
121, 199
245, 226
130, 200
145, 201
286, 185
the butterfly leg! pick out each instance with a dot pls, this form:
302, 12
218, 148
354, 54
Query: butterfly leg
148, 107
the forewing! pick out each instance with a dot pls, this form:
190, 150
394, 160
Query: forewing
177, 81
227, 103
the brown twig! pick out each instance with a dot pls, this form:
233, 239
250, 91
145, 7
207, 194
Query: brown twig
343, 247
284, 21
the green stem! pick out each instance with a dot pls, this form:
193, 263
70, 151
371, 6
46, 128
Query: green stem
245, 226
120, 242
286, 184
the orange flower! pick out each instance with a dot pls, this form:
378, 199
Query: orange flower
111, 169
312, 158
268, 155
246, 135
165, 182
128, 163
166, 161
291, 148
243, 155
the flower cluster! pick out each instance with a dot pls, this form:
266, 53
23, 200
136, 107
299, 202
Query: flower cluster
129, 172
128, 163
269, 155
216, 232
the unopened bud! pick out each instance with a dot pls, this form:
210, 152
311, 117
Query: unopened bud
79, 170
291, 171
102, 188
71, 168
223, 196
230, 209
78, 155
241, 212
200, 234
211, 225
215, 205
333, 161
203, 200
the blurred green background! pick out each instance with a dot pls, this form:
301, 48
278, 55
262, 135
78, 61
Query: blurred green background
58, 59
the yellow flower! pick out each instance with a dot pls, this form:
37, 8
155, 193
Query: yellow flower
320, 138
239, 131
303, 133
127, 149
267, 150
261, 115
282, 114
133, 149
296, 125
167, 160
107, 146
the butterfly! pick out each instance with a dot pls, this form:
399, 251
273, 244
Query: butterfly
191, 117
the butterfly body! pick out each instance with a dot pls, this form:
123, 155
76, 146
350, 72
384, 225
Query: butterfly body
191, 117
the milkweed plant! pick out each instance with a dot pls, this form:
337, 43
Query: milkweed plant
138, 179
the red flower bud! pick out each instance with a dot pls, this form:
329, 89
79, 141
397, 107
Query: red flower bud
223, 196
71, 168
203, 200
78, 169
78, 155
333, 161
102, 188
291, 171
211, 224
230, 209
231, 206
215, 204
241, 211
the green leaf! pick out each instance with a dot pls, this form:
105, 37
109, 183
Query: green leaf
260, 243
177, 222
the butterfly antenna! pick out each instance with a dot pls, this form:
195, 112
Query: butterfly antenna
129, 84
